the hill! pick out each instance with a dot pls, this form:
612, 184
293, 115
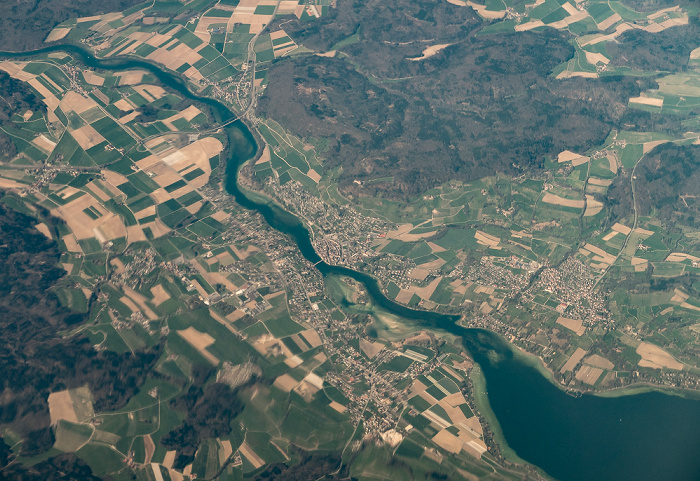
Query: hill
423, 71
486, 104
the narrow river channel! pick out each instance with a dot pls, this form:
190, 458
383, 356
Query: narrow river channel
649, 436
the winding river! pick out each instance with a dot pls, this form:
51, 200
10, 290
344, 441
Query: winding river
648, 436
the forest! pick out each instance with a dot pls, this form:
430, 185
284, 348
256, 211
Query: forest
667, 182
668, 50
209, 412
65, 467
34, 359
485, 105
17, 98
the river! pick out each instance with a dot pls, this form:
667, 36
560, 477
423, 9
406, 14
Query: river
649, 436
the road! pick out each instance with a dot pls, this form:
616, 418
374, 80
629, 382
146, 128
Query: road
634, 224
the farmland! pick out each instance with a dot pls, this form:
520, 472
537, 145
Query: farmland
586, 260
211, 44
537, 256
153, 255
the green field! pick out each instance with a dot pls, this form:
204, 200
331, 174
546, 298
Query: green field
397, 364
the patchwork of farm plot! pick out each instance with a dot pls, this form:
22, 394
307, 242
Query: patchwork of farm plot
109, 182
212, 46
678, 94
152, 254
436, 400
475, 247
301, 408
119, 194
287, 157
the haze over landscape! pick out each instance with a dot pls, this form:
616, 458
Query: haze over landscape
350, 240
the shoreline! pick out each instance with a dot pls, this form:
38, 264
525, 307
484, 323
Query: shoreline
629, 390
483, 406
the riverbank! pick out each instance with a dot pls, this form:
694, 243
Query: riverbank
591, 437
253, 191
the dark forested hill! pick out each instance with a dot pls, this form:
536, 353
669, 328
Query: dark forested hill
401, 24
483, 104
64, 467
667, 184
15, 98
668, 50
